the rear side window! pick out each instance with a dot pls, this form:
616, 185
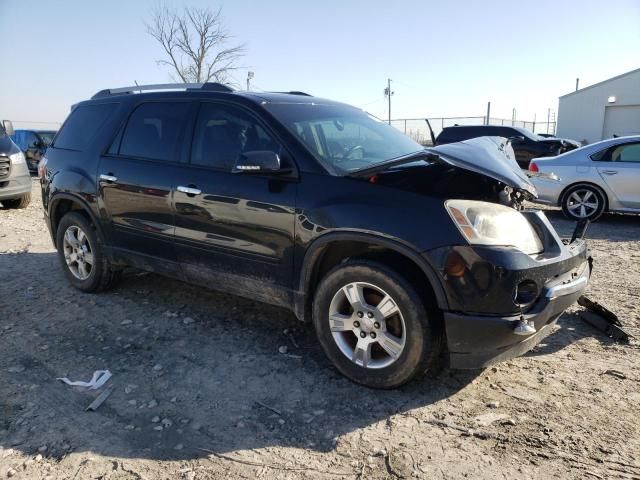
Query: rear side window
154, 131
626, 153
82, 125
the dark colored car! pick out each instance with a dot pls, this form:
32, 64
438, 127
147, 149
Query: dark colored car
526, 145
393, 251
33, 144
15, 181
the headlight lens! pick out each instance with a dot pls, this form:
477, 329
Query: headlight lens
17, 158
484, 223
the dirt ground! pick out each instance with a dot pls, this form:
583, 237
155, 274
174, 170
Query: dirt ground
202, 390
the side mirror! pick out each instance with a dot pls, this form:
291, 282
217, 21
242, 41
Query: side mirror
257, 161
517, 139
8, 127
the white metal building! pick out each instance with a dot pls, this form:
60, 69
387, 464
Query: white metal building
599, 111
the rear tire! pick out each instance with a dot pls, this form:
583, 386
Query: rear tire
382, 342
82, 255
18, 203
583, 201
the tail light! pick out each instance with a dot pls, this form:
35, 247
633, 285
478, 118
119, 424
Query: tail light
42, 167
533, 167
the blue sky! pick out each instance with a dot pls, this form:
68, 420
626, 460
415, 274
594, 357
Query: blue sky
446, 58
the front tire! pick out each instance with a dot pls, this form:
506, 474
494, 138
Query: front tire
82, 255
18, 203
373, 325
583, 202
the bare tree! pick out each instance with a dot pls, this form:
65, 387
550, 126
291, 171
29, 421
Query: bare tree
195, 43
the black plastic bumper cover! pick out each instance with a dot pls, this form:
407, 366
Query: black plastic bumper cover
477, 341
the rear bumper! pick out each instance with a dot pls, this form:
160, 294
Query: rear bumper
549, 190
477, 341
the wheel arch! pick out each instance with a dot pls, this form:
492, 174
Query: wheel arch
63, 203
332, 249
605, 195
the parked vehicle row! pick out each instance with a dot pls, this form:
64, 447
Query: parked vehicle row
15, 181
33, 144
526, 145
394, 252
601, 177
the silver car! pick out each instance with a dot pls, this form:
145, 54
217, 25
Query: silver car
588, 181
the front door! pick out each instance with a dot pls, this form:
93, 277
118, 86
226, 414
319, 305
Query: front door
136, 179
620, 169
235, 231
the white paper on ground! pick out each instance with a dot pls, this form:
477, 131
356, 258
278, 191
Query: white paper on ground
99, 378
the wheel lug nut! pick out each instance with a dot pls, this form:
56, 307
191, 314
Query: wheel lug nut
373, 334
369, 314
356, 324
360, 314
376, 324
363, 334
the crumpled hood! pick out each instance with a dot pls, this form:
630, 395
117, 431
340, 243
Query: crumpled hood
490, 156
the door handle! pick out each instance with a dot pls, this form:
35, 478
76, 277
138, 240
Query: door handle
189, 190
610, 172
108, 178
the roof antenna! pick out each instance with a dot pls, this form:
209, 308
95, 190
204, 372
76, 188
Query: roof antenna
136, 82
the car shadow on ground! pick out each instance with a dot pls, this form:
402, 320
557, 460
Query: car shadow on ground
192, 369
572, 328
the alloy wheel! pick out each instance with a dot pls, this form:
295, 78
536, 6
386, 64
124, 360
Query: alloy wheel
367, 325
77, 252
583, 203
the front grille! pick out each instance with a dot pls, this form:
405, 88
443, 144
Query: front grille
5, 167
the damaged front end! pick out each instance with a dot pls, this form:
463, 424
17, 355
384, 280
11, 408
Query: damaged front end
504, 299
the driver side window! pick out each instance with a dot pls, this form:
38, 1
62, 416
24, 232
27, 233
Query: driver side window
223, 132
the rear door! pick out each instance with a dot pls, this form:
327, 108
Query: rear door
619, 167
235, 230
136, 178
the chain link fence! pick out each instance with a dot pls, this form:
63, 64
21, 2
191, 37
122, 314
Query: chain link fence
417, 128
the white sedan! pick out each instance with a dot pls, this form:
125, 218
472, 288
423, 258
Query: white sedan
588, 181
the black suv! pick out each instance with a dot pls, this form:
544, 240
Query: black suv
527, 145
33, 144
393, 251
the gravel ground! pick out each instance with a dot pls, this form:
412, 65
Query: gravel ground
202, 390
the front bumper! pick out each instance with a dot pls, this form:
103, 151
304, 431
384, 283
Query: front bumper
17, 185
477, 341
493, 290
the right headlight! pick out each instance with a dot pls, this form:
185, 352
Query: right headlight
17, 158
484, 223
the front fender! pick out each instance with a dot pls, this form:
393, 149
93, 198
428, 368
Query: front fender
315, 249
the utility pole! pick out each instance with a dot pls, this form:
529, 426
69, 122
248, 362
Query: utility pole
548, 119
249, 77
388, 93
488, 113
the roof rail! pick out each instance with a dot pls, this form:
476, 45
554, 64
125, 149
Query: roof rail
296, 92
209, 86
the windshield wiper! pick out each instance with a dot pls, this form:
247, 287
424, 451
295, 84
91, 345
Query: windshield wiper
379, 167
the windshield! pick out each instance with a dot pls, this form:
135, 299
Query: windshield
343, 138
47, 137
